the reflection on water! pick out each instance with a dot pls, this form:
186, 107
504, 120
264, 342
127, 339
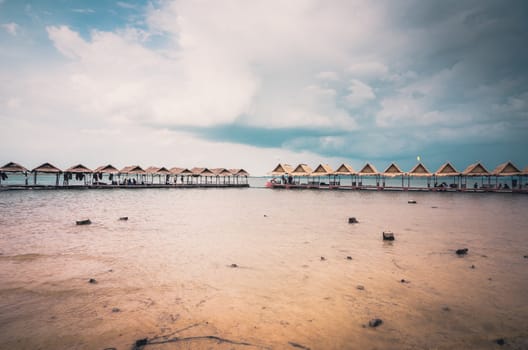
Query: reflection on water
168, 269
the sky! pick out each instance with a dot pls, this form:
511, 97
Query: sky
249, 84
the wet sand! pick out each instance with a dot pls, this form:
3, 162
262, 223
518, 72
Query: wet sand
166, 272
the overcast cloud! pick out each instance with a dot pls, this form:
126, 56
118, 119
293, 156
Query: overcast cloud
251, 83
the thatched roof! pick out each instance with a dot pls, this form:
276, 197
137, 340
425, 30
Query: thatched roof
447, 169
419, 170
132, 169
12, 167
107, 169
302, 170
476, 169
393, 170
46, 168
525, 170
368, 169
180, 171
239, 172
344, 169
506, 169
156, 170
322, 170
79, 168
282, 169
221, 172
202, 171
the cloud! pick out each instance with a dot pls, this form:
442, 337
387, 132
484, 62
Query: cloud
126, 5
359, 93
11, 28
87, 10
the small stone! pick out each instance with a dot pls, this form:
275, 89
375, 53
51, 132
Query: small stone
234, 265
83, 222
323, 258
265, 216
472, 266
375, 322
360, 287
352, 220
141, 342
403, 280
446, 308
92, 281
462, 251
526, 256
500, 341
116, 309
411, 201
123, 218
388, 236
349, 257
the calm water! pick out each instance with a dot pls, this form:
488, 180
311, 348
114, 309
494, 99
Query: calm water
167, 270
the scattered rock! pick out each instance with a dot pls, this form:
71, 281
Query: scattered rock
352, 220
323, 258
434, 207
92, 281
123, 218
446, 308
265, 216
411, 201
388, 236
472, 266
526, 256
116, 309
83, 222
489, 279
403, 280
462, 251
141, 342
360, 287
110, 270
234, 265
299, 346
349, 257
375, 322
500, 341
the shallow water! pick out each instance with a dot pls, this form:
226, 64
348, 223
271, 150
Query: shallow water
167, 270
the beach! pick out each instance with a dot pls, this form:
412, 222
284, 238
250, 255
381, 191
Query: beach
255, 268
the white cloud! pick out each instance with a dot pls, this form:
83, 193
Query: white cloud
367, 69
359, 93
87, 10
11, 28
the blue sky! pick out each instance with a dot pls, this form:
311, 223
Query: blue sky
253, 83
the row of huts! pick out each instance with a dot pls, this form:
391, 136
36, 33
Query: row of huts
505, 177
134, 175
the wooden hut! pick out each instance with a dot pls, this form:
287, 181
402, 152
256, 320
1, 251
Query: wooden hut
476, 170
108, 169
368, 170
302, 171
240, 174
392, 171
323, 170
80, 172
183, 173
159, 172
133, 170
447, 170
222, 174
282, 169
505, 170
419, 170
46, 168
13, 168
202, 175
346, 170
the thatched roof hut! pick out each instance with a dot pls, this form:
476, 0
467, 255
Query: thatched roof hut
282, 169
221, 172
106, 169
345, 169
78, 169
302, 170
132, 169
419, 170
46, 168
476, 169
12, 167
323, 170
447, 169
525, 171
393, 170
157, 170
368, 170
506, 169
